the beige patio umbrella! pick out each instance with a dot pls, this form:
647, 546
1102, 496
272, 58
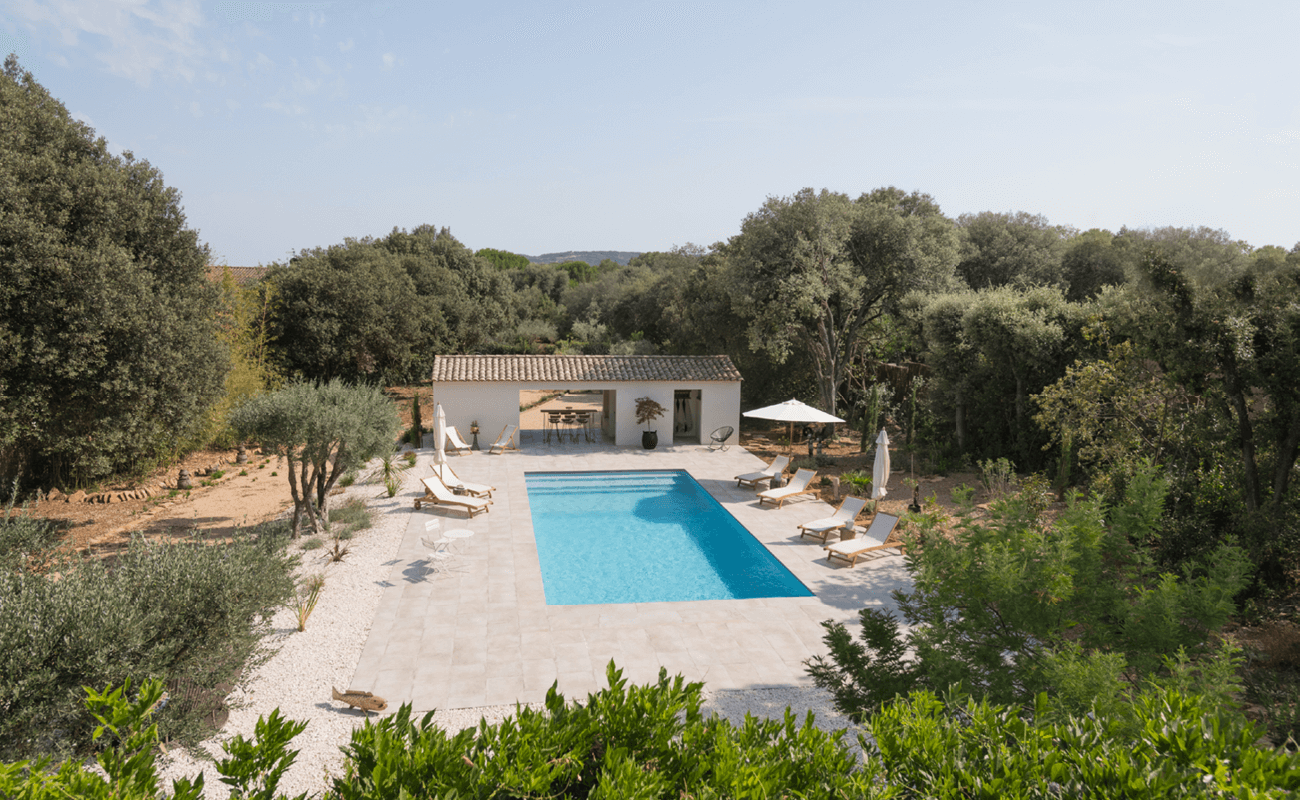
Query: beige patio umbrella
880, 469
792, 411
440, 436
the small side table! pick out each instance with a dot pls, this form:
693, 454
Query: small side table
457, 534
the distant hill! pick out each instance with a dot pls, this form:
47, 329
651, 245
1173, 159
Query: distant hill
592, 257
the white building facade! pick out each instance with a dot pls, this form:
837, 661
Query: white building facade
701, 393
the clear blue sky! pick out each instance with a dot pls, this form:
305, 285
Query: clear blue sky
537, 126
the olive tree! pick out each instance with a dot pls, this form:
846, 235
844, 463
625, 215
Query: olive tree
322, 430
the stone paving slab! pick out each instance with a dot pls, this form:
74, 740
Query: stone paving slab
482, 634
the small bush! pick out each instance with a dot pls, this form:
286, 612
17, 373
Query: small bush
181, 610
348, 479
243, 472
219, 474
350, 517
311, 543
25, 539
858, 481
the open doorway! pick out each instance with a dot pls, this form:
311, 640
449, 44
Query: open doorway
686, 414
563, 416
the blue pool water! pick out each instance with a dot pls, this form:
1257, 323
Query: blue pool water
645, 537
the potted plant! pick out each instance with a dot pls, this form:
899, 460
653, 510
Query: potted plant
647, 411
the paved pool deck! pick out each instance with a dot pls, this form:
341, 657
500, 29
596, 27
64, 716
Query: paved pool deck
482, 634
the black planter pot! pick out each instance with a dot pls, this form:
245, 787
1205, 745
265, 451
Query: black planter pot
650, 439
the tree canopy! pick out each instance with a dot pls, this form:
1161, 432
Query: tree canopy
109, 353
322, 430
812, 269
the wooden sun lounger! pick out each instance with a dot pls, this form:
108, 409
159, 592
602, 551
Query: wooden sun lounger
452, 481
845, 516
764, 475
882, 534
799, 484
438, 494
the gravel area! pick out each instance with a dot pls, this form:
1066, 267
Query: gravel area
303, 666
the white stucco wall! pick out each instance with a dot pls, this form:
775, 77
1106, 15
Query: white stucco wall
496, 405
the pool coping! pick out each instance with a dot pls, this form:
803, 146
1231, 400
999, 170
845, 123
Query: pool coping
482, 635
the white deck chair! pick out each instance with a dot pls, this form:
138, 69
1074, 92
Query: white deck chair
506, 441
880, 535
844, 517
438, 494
452, 481
764, 475
454, 441
798, 485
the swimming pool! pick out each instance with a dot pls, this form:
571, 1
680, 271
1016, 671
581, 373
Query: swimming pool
645, 537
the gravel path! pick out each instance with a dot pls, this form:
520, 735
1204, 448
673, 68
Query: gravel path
303, 666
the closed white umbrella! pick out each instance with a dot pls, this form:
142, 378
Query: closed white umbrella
880, 470
440, 436
792, 411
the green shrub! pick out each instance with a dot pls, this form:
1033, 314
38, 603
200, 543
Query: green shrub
652, 741
24, 538
1182, 746
858, 481
623, 742
181, 611
352, 516
311, 543
991, 602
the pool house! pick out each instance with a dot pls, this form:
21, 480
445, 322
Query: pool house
701, 393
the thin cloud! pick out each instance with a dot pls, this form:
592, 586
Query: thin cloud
134, 38
389, 60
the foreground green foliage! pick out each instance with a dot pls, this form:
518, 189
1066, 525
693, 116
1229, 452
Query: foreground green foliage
653, 742
1016, 606
1177, 745
182, 611
625, 741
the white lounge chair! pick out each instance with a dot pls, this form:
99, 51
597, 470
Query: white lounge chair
798, 485
766, 474
454, 441
844, 517
439, 495
506, 441
881, 534
452, 481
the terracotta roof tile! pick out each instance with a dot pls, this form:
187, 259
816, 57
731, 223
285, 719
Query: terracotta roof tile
561, 369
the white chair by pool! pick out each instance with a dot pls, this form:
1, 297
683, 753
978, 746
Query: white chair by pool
454, 441
506, 441
438, 556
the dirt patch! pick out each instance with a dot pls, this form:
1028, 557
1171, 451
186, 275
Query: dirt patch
243, 495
